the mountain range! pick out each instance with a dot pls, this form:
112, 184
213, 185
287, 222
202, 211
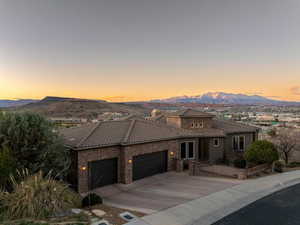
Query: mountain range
13, 103
207, 98
226, 98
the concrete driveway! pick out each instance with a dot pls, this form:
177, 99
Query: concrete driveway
162, 191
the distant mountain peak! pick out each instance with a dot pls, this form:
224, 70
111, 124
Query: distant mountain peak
225, 98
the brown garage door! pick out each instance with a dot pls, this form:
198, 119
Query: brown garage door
149, 164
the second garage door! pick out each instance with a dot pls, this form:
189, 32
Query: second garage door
149, 164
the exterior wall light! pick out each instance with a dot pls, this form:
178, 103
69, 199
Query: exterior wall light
171, 153
83, 168
130, 161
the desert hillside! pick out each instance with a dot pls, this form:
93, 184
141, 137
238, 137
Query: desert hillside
72, 107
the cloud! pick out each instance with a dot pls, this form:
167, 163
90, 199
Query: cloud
295, 90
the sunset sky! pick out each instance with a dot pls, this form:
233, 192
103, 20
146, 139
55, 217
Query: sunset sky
126, 50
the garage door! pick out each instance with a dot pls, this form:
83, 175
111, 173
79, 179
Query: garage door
149, 164
103, 172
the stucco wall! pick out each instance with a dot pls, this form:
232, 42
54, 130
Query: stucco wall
174, 121
230, 154
216, 152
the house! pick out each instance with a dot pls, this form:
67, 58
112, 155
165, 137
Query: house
130, 149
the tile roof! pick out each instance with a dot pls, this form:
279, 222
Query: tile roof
133, 117
122, 132
106, 133
190, 113
230, 127
209, 132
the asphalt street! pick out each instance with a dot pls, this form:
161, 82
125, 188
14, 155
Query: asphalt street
280, 208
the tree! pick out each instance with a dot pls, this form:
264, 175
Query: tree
33, 143
287, 142
7, 166
261, 152
272, 132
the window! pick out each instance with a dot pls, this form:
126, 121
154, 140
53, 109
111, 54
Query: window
187, 150
254, 137
191, 150
197, 124
235, 143
183, 150
216, 142
238, 143
201, 124
241, 143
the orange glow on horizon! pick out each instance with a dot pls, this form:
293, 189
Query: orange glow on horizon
139, 83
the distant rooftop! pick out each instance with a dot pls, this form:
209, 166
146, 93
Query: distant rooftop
190, 113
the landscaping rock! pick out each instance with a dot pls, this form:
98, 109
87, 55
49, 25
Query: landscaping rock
76, 211
94, 219
100, 222
242, 176
87, 212
98, 212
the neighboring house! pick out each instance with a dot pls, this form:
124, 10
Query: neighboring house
127, 150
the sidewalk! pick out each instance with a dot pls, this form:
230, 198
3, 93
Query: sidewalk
211, 208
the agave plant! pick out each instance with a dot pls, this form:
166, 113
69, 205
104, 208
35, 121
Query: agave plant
37, 196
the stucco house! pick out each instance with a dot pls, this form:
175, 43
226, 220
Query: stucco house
127, 150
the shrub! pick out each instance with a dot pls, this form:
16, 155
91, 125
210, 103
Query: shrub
240, 163
91, 199
36, 196
261, 152
278, 166
293, 164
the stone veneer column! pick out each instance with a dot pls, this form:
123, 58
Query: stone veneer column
83, 185
128, 161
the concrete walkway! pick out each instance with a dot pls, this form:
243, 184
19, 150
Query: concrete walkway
209, 209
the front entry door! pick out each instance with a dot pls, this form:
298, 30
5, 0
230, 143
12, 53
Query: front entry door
204, 149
